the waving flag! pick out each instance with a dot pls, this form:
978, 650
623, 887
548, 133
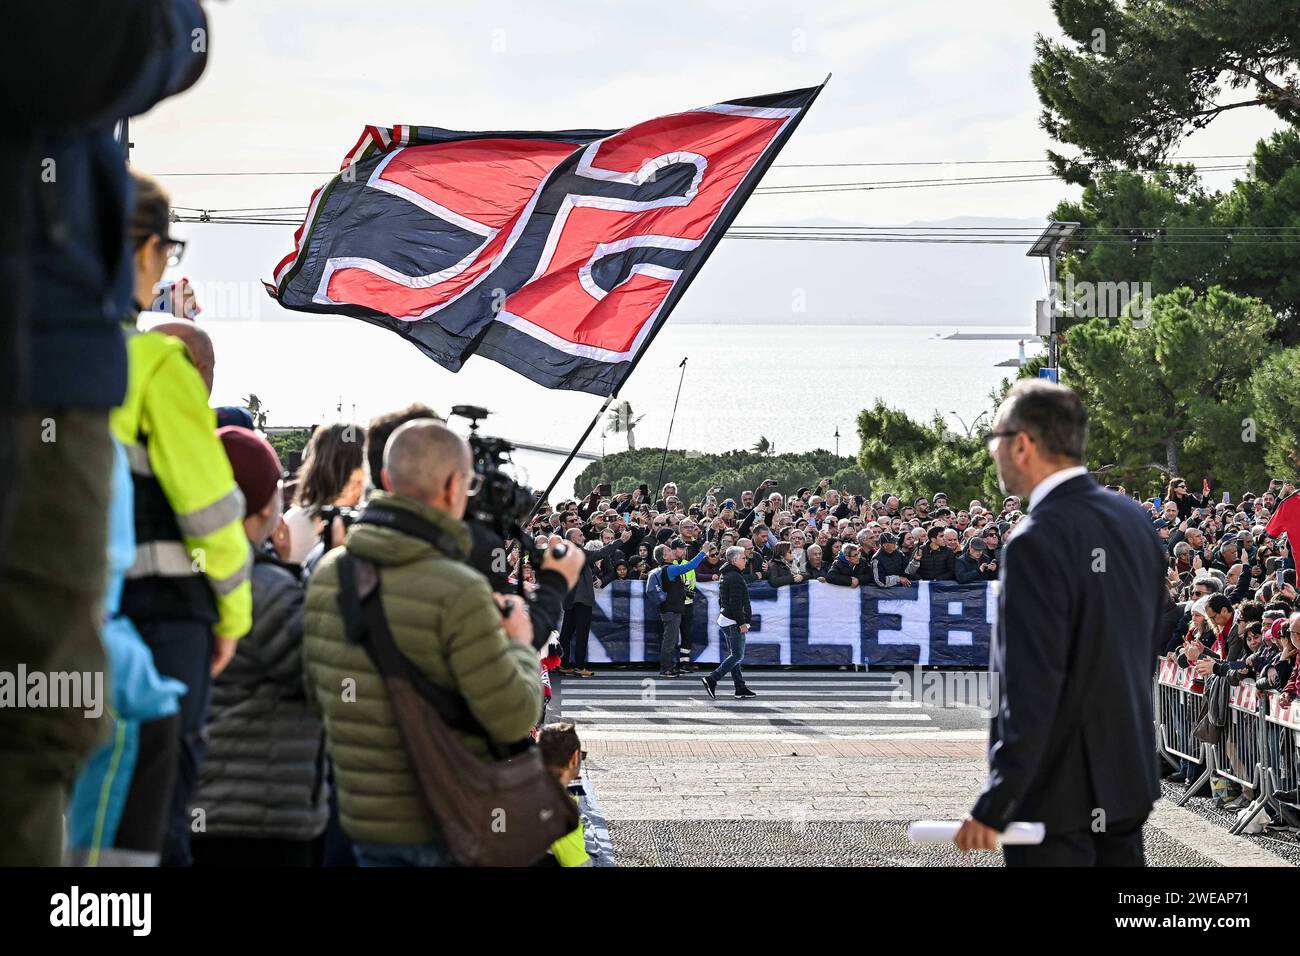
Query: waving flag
559, 255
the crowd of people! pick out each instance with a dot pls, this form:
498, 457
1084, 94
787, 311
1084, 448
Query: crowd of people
841, 537
254, 719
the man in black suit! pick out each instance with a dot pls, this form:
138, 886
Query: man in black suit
1072, 743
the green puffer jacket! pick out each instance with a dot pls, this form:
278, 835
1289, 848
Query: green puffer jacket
443, 618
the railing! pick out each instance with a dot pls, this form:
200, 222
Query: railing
1258, 746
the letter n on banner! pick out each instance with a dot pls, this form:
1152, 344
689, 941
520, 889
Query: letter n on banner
960, 623
614, 620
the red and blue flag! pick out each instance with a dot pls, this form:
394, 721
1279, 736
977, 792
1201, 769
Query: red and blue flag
559, 255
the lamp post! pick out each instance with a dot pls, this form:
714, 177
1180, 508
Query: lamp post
837, 442
1048, 246
970, 429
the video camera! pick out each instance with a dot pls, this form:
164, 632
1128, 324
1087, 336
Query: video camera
501, 506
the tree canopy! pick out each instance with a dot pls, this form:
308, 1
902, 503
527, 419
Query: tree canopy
736, 471
1173, 395
1132, 78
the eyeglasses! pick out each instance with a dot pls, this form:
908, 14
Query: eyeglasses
992, 437
175, 250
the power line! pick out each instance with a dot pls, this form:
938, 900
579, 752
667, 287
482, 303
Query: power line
1005, 236
1177, 160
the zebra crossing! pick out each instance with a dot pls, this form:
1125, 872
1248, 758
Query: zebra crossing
791, 705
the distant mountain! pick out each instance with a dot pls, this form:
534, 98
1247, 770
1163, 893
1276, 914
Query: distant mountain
851, 283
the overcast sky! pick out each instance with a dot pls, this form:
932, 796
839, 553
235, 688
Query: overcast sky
289, 86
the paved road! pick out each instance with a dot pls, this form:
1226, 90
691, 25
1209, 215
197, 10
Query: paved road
823, 768
792, 706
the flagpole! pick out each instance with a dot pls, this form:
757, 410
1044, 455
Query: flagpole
664, 459
573, 454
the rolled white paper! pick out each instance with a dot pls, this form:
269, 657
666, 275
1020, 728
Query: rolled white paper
943, 831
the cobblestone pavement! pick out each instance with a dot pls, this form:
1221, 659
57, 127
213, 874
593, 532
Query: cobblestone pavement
1280, 842
854, 843
734, 784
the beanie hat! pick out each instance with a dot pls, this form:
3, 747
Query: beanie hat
256, 466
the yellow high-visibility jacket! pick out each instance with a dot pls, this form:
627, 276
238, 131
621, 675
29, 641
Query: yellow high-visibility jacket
192, 556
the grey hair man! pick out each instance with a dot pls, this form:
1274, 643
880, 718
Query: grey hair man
1083, 591
733, 618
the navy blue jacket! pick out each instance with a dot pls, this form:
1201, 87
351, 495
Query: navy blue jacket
79, 66
1076, 643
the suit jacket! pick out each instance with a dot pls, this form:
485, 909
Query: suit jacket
1079, 626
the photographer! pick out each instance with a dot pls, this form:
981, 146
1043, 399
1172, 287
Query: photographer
331, 476
444, 618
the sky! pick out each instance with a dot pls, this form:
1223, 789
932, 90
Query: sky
290, 85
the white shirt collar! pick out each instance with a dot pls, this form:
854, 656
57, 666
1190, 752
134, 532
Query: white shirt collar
1045, 486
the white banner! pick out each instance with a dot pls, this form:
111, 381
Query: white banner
932, 622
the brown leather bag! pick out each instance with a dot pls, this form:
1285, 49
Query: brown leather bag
503, 812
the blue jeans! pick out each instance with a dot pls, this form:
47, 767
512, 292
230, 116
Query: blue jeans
401, 854
736, 645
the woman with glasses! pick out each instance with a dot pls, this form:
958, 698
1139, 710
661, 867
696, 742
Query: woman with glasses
1179, 495
710, 568
992, 543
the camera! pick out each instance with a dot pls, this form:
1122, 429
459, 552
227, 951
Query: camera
327, 515
501, 503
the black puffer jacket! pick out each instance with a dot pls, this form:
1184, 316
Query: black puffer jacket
938, 564
733, 595
779, 574
264, 775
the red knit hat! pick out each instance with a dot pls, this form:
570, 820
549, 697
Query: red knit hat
256, 466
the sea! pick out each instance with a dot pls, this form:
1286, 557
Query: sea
793, 385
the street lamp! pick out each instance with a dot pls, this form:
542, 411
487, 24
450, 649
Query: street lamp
1047, 246
837, 441
970, 429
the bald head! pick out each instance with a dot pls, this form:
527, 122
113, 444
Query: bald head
426, 460
197, 344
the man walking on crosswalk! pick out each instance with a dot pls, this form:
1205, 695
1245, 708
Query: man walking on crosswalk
733, 598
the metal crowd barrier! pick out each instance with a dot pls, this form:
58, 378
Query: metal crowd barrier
1178, 707
1258, 748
